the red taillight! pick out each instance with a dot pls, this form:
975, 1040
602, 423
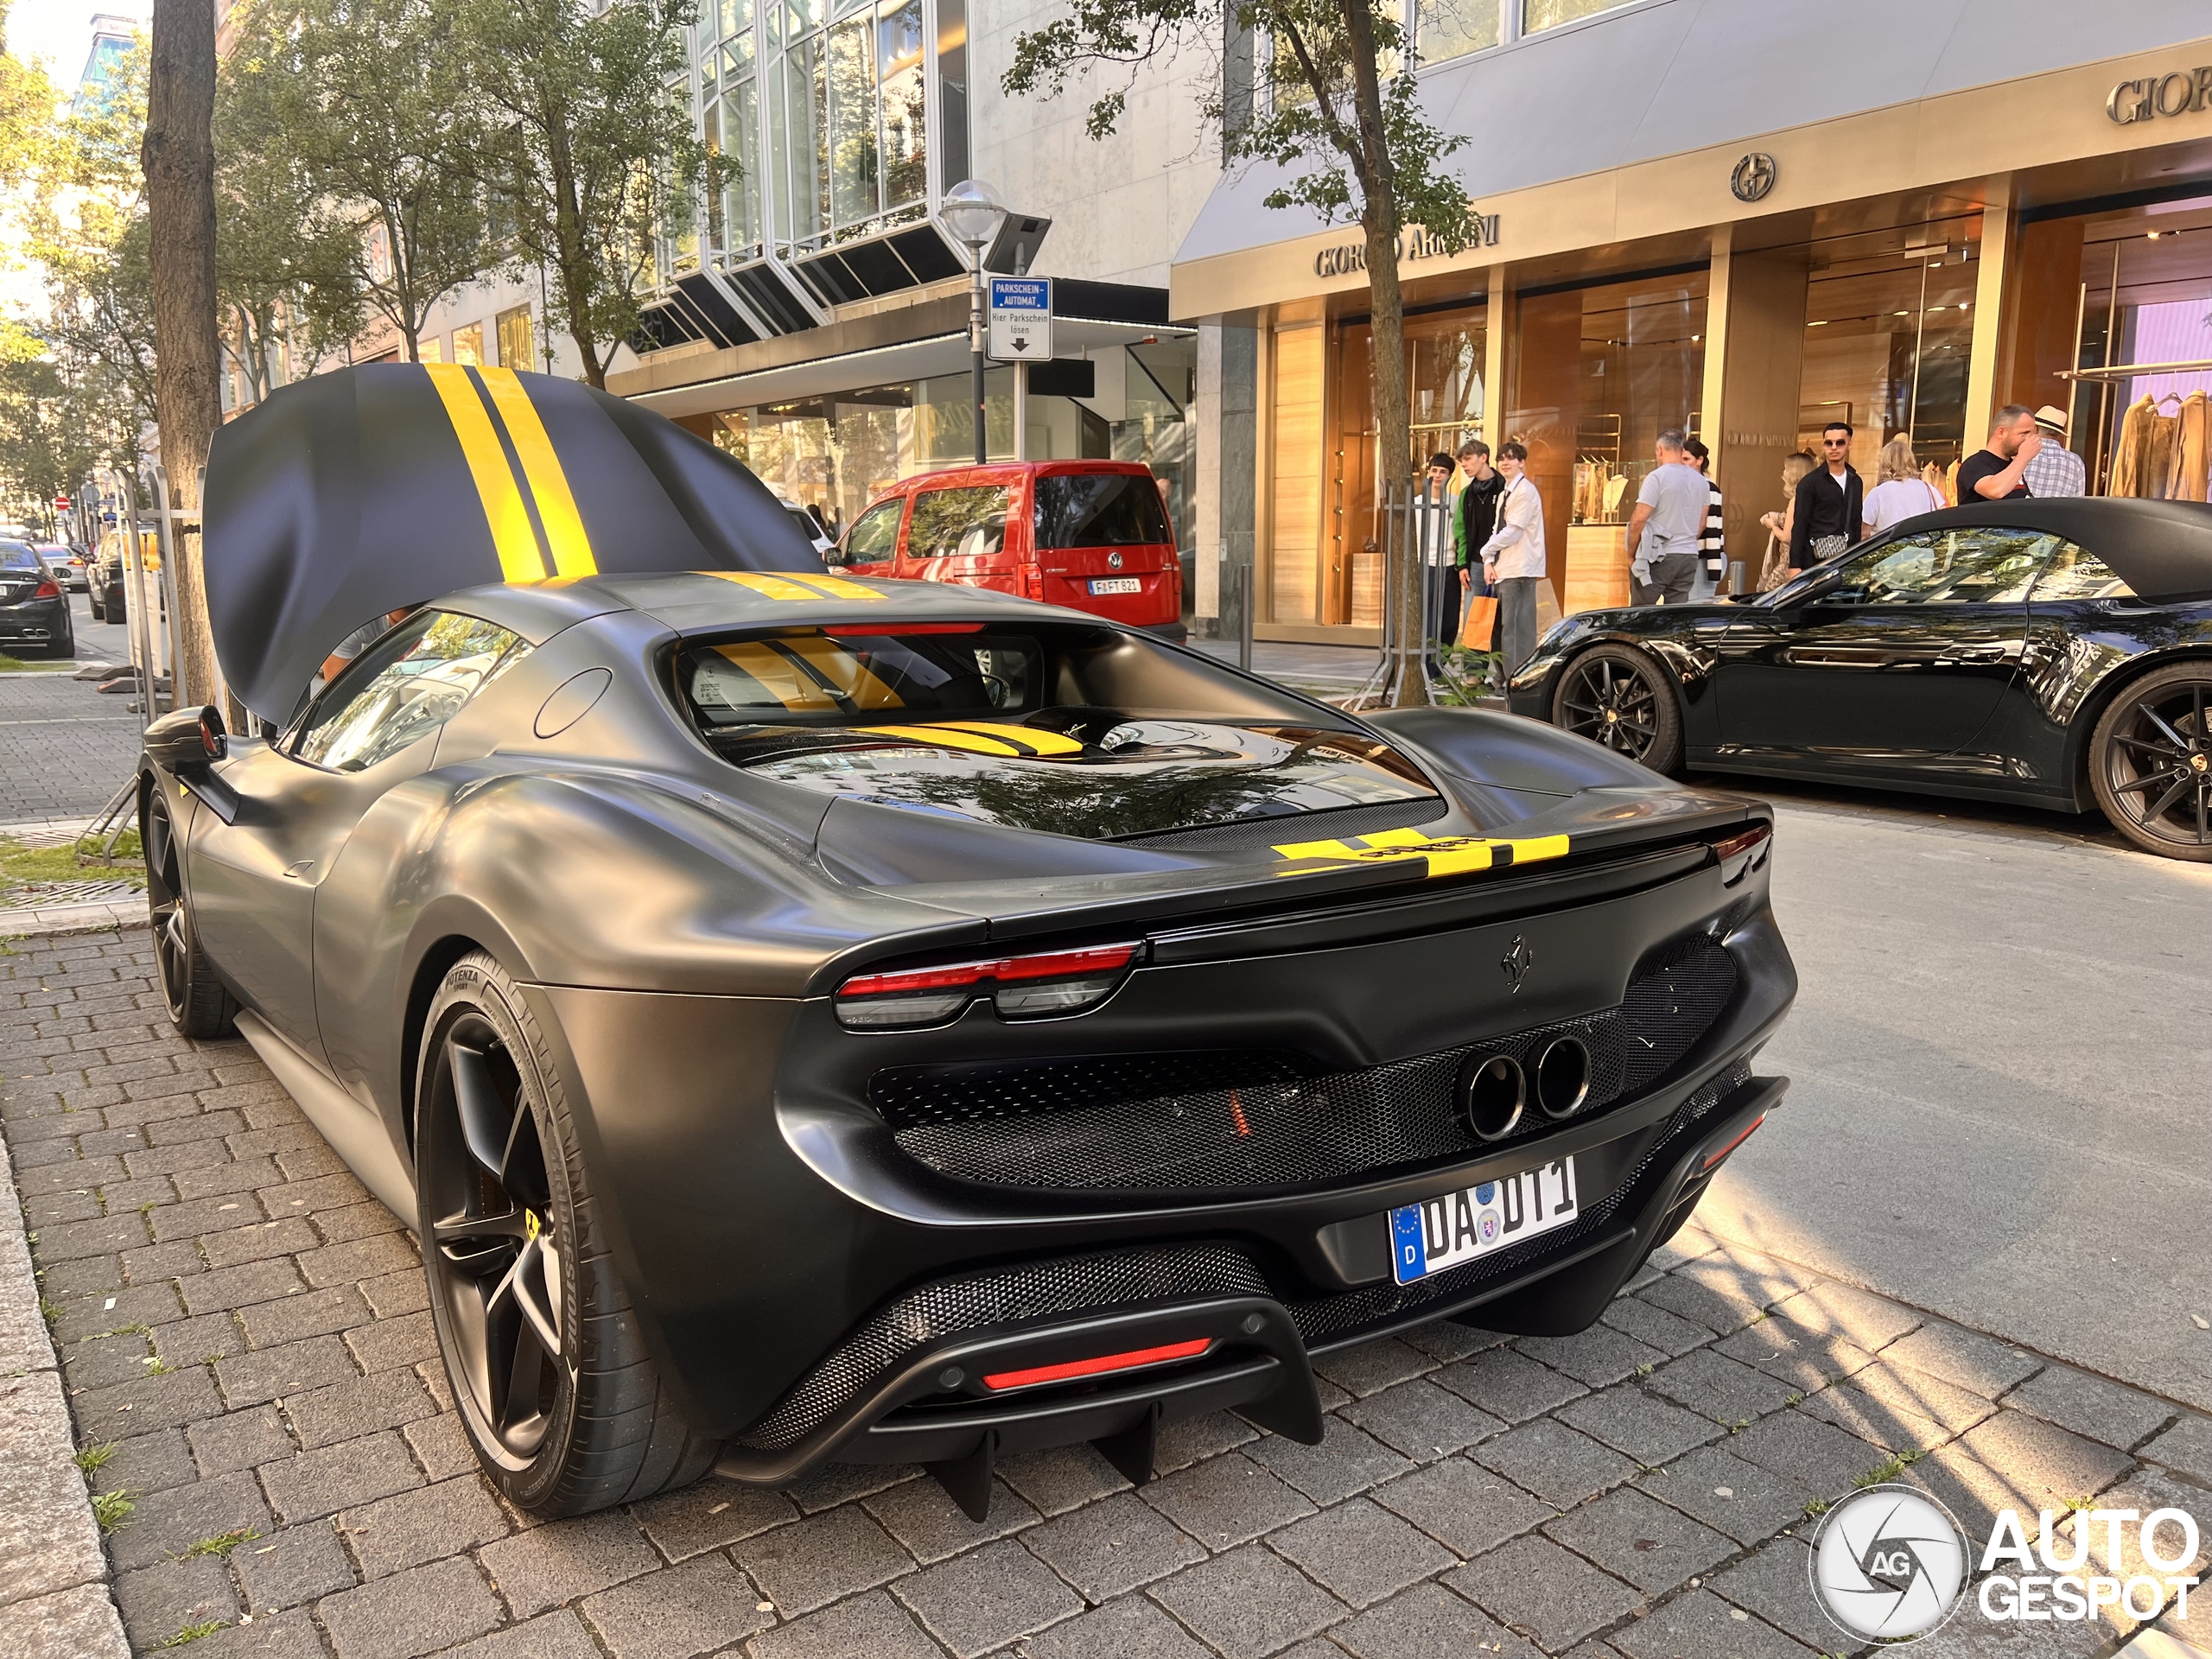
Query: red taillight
1742, 854
1133, 1360
1020, 987
48, 590
1712, 1158
1032, 581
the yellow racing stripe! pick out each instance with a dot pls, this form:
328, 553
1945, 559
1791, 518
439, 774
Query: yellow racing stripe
947, 737
1038, 742
830, 586
511, 537
549, 485
1445, 854
777, 587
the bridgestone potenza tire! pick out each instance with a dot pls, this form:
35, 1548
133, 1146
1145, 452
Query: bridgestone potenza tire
564, 1409
2150, 762
1618, 696
200, 1005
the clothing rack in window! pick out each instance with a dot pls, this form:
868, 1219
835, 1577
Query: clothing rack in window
2129, 371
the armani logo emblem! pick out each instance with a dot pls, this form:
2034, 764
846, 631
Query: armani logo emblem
1516, 961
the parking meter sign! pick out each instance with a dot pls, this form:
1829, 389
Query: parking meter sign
1021, 313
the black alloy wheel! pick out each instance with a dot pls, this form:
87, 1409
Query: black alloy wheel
200, 1004
2150, 762
554, 1388
1615, 695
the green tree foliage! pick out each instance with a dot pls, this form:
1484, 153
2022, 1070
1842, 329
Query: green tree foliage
587, 155
1322, 93
376, 107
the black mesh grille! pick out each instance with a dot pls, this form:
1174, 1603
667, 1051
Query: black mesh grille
1341, 1317
976, 1302
1334, 822
1209, 1122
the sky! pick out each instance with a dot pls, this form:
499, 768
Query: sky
61, 31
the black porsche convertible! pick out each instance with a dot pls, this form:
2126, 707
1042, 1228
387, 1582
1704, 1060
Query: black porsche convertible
2055, 653
807, 1018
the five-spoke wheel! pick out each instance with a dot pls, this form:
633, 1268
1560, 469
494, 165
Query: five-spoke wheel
1615, 695
2150, 762
200, 1004
491, 1239
548, 1366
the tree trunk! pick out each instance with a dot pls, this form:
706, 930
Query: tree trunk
179, 156
574, 255
1402, 572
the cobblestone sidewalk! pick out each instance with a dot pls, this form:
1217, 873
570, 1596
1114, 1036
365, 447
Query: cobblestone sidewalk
245, 1329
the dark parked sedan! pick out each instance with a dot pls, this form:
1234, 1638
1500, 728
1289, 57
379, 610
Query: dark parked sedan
2055, 653
34, 609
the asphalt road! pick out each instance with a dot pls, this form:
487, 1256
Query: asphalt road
2000, 1102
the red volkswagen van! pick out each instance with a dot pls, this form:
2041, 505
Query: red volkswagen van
1090, 535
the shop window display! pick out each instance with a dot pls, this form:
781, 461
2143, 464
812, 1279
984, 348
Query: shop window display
2142, 396
1889, 335
1600, 372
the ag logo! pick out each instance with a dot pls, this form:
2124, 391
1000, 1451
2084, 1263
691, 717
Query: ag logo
1888, 1564
1754, 177
1516, 961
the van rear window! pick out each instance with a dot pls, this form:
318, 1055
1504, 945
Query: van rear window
1099, 510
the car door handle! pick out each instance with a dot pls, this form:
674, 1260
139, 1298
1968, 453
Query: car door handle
300, 871
1995, 651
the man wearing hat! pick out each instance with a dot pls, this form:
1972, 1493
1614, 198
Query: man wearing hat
2056, 470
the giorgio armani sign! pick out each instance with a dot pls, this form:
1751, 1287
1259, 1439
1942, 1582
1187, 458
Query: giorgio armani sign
2186, 92
1348, 257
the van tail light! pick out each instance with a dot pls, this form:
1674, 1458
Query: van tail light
1032, 581
1742, 854
1020, 987
48, 590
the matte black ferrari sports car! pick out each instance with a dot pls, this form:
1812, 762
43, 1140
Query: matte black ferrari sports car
813, 1019
2055, 654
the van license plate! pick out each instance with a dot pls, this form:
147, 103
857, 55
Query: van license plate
1457, 1227
1117, 585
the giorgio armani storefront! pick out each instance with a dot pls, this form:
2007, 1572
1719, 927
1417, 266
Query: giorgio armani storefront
1900, 217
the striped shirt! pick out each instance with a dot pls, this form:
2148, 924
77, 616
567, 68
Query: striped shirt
1712, 541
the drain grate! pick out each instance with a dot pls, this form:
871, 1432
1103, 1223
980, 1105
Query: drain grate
45, 895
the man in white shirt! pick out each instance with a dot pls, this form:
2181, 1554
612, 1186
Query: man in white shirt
1432, 522
1664, 531
1513, 560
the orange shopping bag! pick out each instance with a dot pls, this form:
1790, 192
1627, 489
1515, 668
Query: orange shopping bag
1478, 626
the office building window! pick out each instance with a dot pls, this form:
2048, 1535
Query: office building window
468, 344
1451, 28
516, 350
430, 350
1540, 14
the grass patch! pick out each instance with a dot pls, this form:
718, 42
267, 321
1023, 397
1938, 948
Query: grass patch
1819, 1506
49, 1310
21, 865
45, 665
90, 1458
1890, 1468
192, 1633
222, 1543
112, 1510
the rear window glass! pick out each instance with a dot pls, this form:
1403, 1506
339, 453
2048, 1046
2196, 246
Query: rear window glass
1060, 727
969, 522
1099, 510
14, 555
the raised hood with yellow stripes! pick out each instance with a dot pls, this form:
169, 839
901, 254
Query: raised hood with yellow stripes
350, 494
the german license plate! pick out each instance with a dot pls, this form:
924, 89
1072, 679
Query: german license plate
1456, 1227
1116, 585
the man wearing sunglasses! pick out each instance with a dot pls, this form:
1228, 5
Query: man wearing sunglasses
1829, 501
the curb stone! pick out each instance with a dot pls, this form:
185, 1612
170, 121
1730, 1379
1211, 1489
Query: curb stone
55, 1599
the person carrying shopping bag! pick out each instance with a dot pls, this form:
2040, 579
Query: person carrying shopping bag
1513, 560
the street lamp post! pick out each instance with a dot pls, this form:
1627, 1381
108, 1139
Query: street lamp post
973, 213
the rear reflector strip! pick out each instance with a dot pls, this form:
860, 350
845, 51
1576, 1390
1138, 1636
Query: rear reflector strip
1714, 1158
1133, 1360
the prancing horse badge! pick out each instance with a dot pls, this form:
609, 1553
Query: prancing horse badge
1516, 961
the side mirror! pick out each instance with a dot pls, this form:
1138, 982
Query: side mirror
189, 739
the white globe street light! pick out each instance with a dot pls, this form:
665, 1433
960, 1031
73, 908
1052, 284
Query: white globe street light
972, 212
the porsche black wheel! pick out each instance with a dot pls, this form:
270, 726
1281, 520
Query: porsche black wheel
1615, 695
2150, 762
200, 1004
565, 1409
